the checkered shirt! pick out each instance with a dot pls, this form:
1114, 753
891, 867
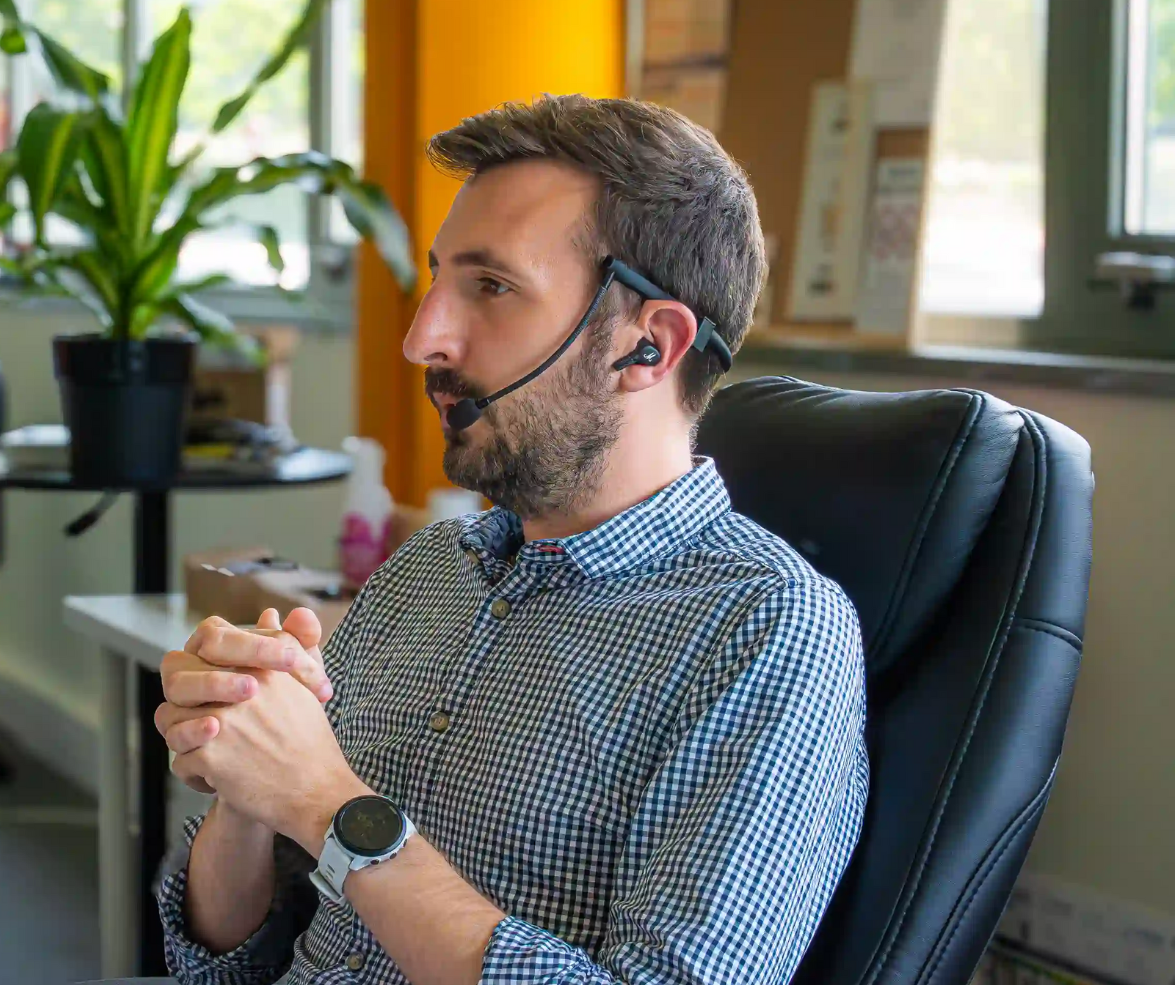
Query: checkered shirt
654, 759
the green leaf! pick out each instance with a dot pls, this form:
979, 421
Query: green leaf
203, 284
65, 275
298, 36
103, 155
12, 41
267, 236
69, 71
371, 212
366, 204
47, 148
92, 267
7, 211
153, 121
212, 326
8, 165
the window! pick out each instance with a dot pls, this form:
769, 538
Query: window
1149, 194
230, 41
1110, 168
984, 237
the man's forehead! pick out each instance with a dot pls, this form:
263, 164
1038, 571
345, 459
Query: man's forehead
532, 211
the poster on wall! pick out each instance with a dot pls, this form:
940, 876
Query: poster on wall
829, 229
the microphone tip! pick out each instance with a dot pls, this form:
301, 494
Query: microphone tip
462, 414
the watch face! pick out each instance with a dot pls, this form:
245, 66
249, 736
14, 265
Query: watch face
369, 826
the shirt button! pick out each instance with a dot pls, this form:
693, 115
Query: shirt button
500, 609
355, 962
439, 721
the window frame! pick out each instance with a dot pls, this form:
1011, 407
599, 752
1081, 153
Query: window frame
326, 302
1085, 171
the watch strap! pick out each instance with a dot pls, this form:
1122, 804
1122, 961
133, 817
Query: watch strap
333, 865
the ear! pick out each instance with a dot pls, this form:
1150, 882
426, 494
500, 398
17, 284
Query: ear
671, 327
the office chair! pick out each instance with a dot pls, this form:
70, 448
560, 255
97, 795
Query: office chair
960, 526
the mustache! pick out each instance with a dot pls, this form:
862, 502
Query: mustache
450, 382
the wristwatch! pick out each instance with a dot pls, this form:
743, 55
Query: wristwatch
364, 831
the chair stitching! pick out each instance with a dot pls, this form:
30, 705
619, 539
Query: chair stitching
1049, 629
946, 469
912, 885
1033, 809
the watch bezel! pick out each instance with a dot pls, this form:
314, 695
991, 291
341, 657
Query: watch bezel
386, 802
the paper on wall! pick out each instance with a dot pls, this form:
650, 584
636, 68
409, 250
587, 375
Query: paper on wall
829, 229
886, 297
896, 46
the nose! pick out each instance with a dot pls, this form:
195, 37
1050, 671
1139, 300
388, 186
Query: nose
434, 338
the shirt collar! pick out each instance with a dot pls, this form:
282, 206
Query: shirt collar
654, 527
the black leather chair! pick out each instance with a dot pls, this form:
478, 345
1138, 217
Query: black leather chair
961, 528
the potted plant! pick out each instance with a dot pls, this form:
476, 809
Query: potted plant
111, 172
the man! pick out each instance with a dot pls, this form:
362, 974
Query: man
626, 722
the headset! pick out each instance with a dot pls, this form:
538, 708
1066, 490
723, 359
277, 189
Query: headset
466, 412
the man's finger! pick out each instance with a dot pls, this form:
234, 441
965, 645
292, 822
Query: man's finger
189, 736
221, 643
304, 626
270, 620
189, 688
206, 626
168, 715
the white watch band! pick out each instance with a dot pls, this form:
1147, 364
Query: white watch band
336, 863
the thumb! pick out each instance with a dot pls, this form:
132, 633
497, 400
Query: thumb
303, 625
269, 620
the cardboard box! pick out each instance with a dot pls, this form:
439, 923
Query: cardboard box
220, 583
693, 31
238, 585
699, 94
320, 591
228, 386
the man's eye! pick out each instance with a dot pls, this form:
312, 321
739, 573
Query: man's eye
491, 286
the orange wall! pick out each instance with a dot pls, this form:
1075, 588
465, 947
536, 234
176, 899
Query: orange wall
469, 56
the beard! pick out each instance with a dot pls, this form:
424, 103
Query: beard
545, 452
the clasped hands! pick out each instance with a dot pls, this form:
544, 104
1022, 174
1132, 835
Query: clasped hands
244, 715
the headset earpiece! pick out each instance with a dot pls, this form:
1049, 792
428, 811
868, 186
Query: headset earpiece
645, 354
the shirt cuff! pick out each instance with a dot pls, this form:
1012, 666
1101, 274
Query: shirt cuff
519, 953
260, 960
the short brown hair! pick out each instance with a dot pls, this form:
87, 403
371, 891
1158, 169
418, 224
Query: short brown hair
674, 205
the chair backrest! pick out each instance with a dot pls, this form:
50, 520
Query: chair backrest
961, 528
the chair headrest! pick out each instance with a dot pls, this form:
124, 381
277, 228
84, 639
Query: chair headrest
886, 493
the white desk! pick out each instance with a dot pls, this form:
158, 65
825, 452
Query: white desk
128, 630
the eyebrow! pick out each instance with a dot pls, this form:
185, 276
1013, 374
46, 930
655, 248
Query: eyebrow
481, 257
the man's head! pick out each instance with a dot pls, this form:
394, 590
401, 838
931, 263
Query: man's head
550, 190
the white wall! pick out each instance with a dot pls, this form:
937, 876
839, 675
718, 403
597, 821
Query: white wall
48, 682
1108, 825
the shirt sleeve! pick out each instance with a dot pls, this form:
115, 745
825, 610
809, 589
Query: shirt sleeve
746, 826
267, 955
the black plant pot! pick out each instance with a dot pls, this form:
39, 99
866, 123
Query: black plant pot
124, 404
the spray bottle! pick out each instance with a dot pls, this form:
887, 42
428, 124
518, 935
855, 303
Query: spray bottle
368, 513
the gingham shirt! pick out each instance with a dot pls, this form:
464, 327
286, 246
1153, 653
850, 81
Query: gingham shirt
644, 743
